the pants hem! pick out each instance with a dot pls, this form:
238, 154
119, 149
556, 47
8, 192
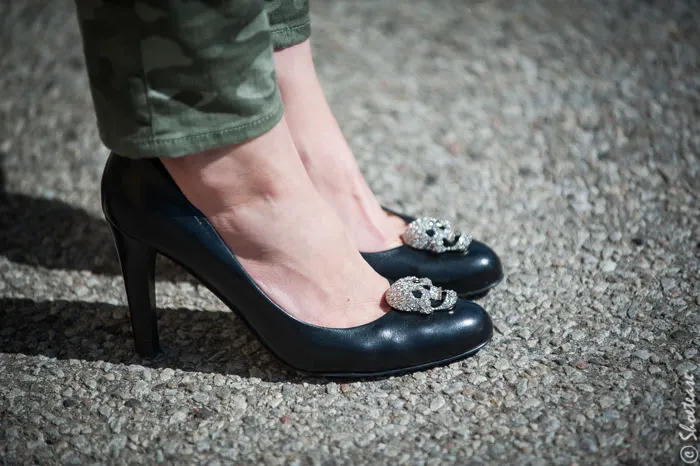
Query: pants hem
198, 142
290, 33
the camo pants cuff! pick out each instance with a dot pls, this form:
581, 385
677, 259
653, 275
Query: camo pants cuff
194, 142
289, 22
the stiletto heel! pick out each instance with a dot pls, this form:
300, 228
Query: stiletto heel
138, 268
149, 214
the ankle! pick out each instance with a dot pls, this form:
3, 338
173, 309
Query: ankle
294, 67
220, 180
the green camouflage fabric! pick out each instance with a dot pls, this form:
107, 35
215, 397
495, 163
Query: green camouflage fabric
173, 77
289, 22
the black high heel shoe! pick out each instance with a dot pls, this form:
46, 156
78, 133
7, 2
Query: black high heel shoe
434, 249
149, 215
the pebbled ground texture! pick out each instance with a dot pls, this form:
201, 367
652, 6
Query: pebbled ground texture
565, 134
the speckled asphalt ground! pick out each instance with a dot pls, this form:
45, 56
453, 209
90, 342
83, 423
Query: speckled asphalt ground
566, 134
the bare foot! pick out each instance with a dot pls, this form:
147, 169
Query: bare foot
327, 156
259, 198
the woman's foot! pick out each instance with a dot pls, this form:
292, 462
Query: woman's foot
259, 198
327, 156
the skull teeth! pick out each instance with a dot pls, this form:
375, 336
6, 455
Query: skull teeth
412, 294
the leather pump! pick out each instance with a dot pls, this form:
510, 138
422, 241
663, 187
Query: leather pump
149, 215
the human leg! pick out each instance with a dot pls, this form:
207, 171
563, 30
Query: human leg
194, 85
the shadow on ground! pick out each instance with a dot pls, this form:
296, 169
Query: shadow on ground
200, 341
52, 234
192, 340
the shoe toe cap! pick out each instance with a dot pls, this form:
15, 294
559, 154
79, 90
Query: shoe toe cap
446, 335
484, 263
472, 326
477, 270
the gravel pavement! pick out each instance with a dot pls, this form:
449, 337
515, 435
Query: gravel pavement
566, 134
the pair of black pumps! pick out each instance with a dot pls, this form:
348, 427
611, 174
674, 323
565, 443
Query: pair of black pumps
427, 326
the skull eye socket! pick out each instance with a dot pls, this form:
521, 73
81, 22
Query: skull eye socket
418, 294
442, 227
430, 232
427, 287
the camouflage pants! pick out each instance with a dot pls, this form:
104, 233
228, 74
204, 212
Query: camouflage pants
173, 77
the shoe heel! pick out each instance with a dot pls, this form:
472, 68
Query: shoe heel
138, 268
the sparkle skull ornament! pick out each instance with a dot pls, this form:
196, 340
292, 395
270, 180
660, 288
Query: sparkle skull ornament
434, 235
413, 294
